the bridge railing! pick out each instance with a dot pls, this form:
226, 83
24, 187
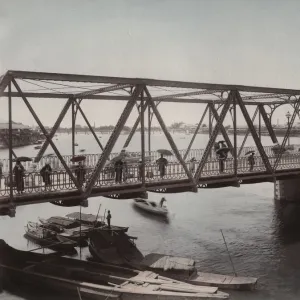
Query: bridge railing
91, 159
60, 180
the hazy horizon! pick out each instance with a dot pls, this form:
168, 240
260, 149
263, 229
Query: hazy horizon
230, 42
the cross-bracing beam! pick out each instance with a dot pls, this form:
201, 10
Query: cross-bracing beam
53, 130
253, 132
213, 137
102, 90
169, 137
247, 133
89, 125
195, 133
267, 123
112, 140
222, 128
290, 125
46, 135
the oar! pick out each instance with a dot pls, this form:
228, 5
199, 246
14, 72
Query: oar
228, 253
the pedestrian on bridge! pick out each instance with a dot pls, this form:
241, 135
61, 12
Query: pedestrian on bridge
222, 155
80, 173
46, 175
119, 170
19, 172
162, 164
251, 161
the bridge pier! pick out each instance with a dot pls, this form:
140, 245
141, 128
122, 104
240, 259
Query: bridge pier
287, 190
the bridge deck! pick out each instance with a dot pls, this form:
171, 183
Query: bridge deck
175, 180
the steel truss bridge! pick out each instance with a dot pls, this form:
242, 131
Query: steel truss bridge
146, 95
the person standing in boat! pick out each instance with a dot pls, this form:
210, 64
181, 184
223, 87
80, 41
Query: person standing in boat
251, 161
161, 203
19, 172
108, 218
80, 173
162, 164
46, 175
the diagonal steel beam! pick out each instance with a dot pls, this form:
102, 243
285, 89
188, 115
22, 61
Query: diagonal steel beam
195, 133
222, 128
296, 109
135, 126
46, 135
253, 132
53, 130
169, 137
7, 144
112, 140
89, 125
102, 90
213, 137
247, 133
268, 123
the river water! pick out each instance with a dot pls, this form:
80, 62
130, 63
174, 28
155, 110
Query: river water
263, 236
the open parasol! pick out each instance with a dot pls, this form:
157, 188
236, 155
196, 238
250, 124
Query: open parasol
78, 158
224, 149
49, 155
22, 158
165, 152
249, 152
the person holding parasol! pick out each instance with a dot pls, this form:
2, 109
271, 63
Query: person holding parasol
162, 162
46, 175
222, 155
19, 172
79, 169
251, 160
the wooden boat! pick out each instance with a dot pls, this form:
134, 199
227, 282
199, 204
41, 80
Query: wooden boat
150, 206
38, 147
114, 248
87, 219
48, 238
94, 222
184, 269
88, 280
62, 222
51, 226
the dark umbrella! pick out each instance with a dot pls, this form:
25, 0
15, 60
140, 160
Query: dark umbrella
22, 158
249, 152
50, 154
78, 158
225, 149
165, 152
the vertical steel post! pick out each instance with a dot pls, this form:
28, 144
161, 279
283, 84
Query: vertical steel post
210, 126
259, 125
11, 192
142, 110
73, 127
234, 137
149, 129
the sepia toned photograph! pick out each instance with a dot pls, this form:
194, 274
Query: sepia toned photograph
149, 149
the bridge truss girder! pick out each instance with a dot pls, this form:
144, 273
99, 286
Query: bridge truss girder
140, 93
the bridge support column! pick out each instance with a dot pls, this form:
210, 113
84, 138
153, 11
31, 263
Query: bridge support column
287, 190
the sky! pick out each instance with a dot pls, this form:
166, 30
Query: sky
218, 41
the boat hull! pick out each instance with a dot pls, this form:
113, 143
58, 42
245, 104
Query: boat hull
147, 208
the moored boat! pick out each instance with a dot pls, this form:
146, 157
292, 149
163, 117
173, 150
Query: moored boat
150, 206
48, 238
114, 248
184, 269
93, 280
